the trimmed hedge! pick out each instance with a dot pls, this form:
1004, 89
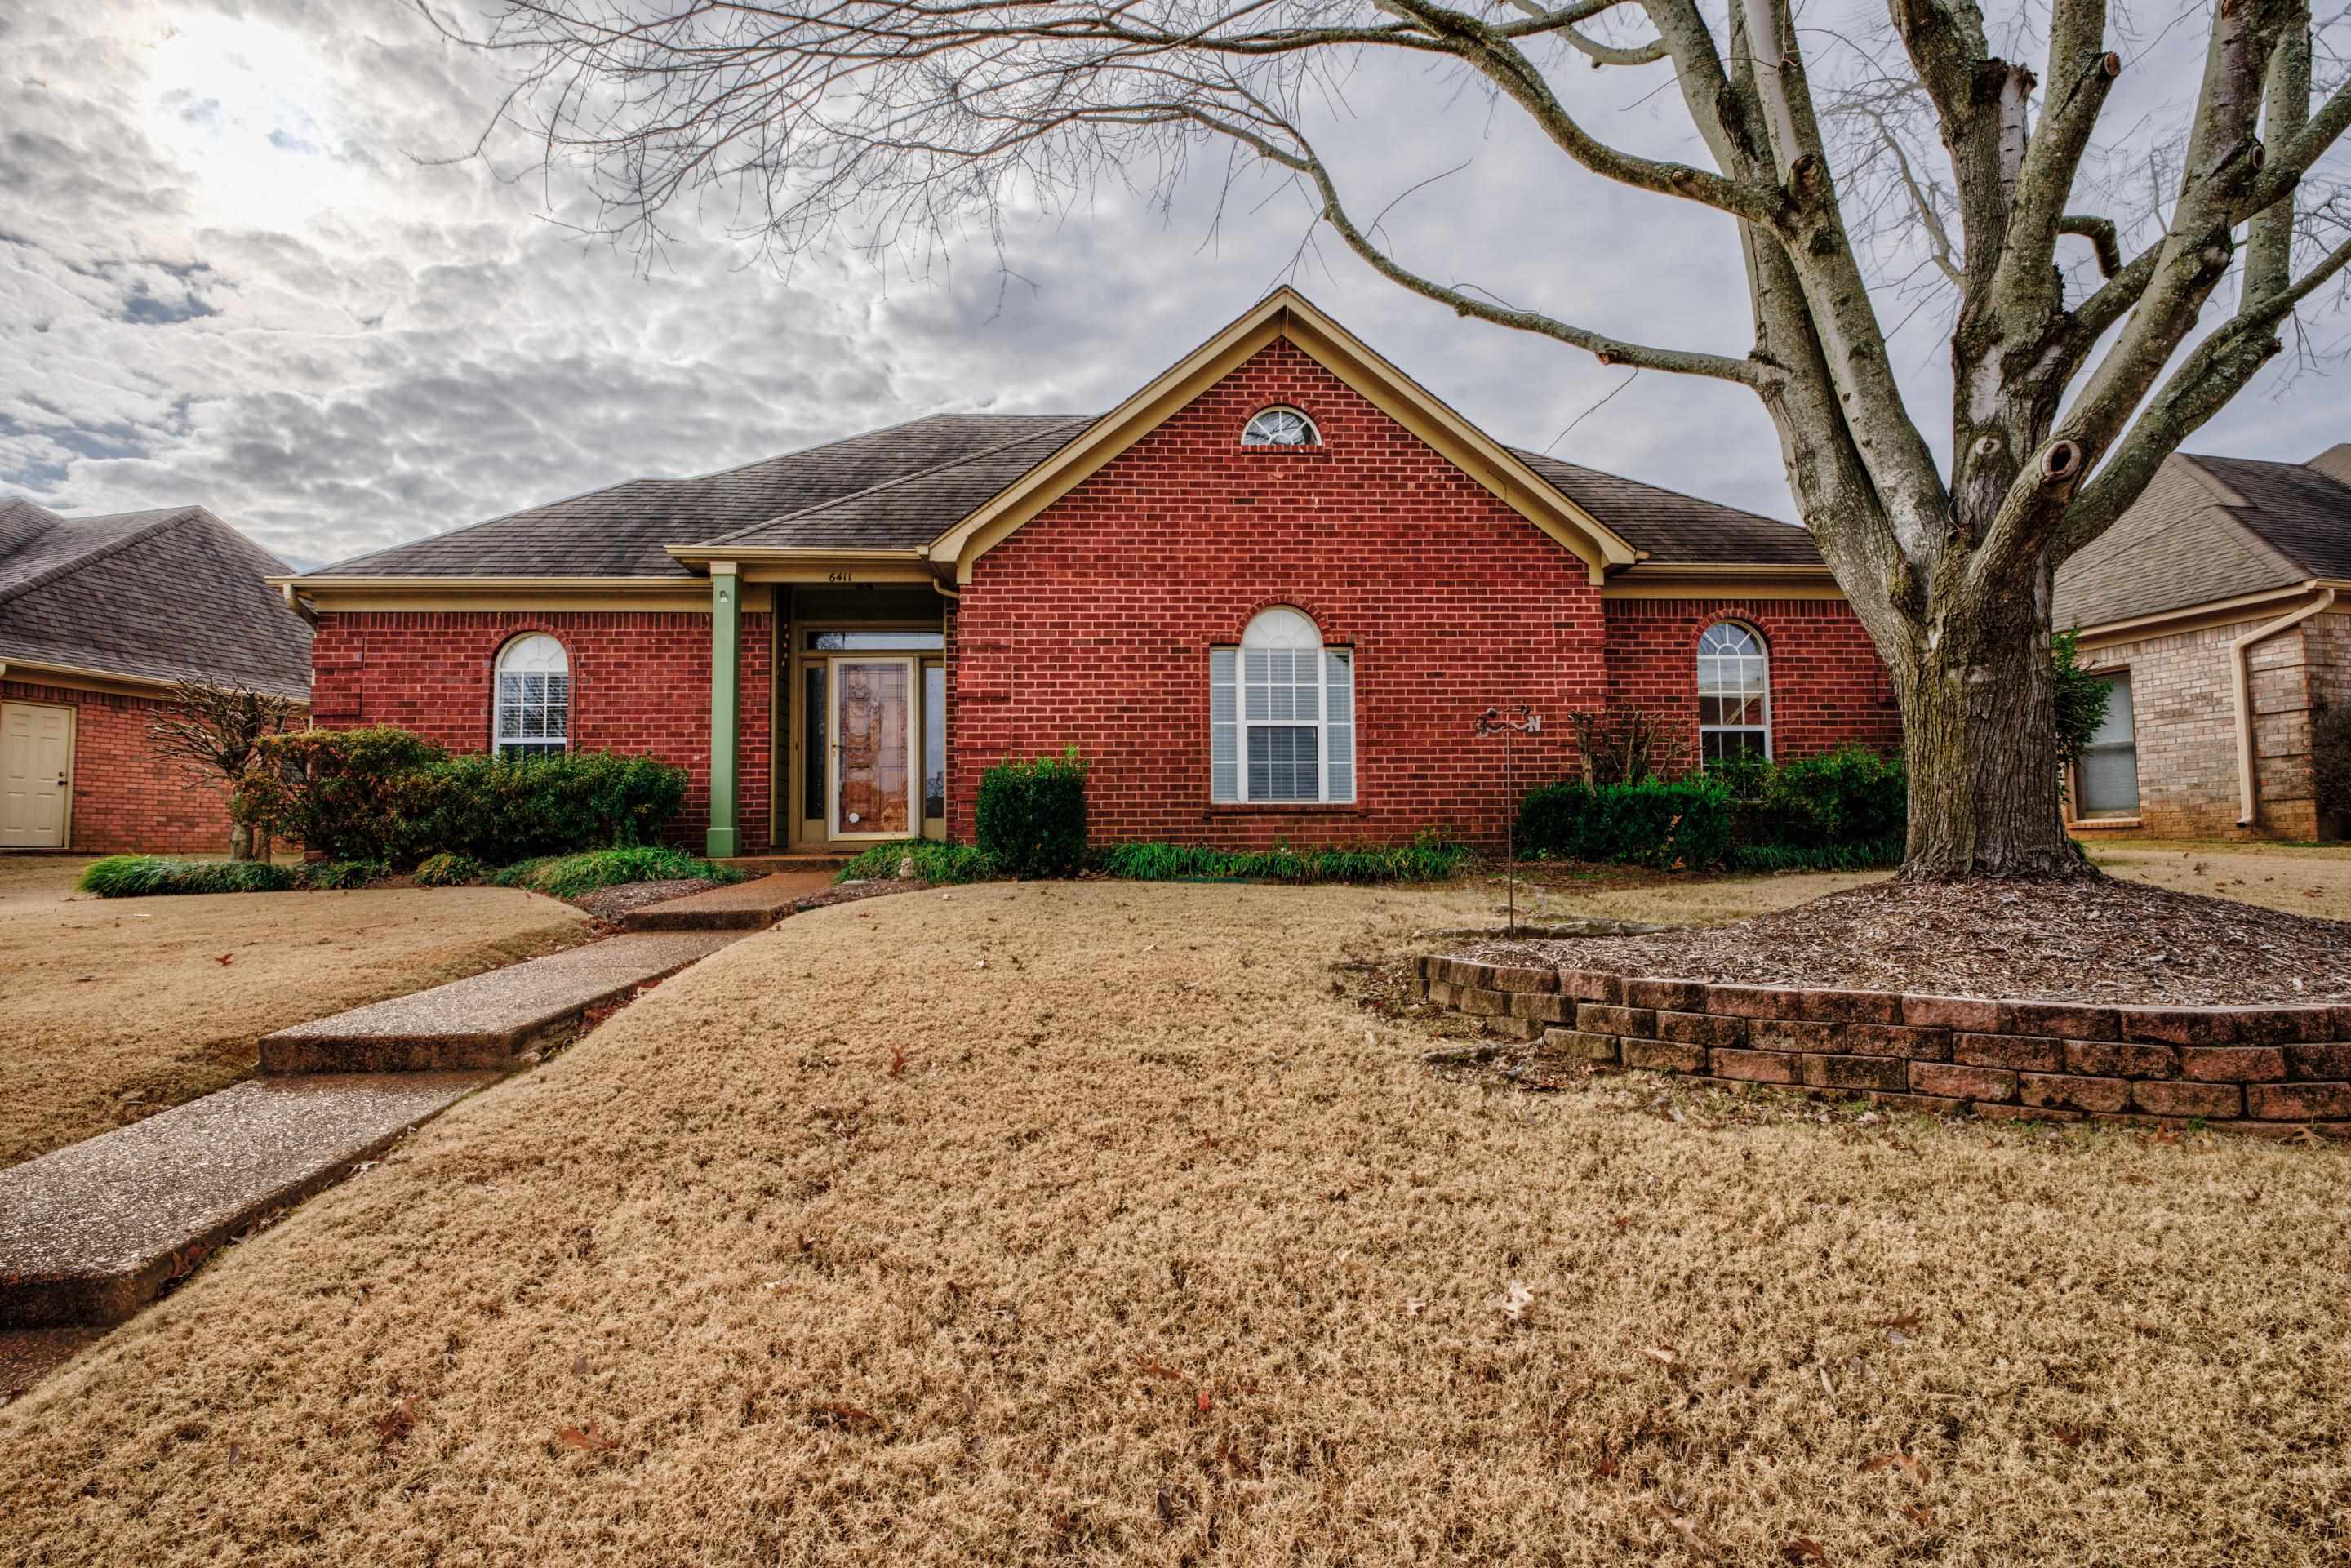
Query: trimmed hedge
1427, 860
570, 876
1032, 816
149, 876
933, 862
1847, 811
385, 795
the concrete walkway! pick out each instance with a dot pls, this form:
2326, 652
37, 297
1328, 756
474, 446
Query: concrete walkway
90, 1233
485, 1021
751, 905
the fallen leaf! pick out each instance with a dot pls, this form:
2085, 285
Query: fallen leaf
1906, 1321
1606, 1468
1517, 1302
1911, 1467
897, 1061
846, 1416
590, 1438
1153, 1369
397, 1422
1203, 1401
1662, 1355
1919, 1513
226, 958
1804, 1549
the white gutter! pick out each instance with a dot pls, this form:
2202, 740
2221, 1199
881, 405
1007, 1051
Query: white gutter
2240, 676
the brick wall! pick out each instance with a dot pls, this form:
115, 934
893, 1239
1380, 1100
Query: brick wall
125, 798
1092, 626
2184, 711
639, 683
1828, 687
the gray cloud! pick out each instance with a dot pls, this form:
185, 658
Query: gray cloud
231, 272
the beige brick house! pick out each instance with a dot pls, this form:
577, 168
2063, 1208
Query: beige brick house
2221, 607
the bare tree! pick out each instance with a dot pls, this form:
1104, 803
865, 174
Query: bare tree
213, 731
912, 117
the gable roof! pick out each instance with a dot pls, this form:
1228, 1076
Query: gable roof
2208, 529
926, 487
156, 596
1286, 313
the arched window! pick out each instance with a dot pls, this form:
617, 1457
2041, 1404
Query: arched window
1280, 427
534, 698
1281, 714
1734, 694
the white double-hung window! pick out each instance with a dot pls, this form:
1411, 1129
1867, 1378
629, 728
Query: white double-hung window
533, 713
1281, 715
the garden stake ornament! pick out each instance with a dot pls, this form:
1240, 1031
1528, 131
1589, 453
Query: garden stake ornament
1499, 721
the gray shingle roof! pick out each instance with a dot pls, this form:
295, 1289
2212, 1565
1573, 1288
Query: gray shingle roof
2210, 528
902, 487
164, 595
1675, 529
622, 531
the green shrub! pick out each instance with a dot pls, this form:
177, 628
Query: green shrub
1032, 816
345, 794
1850, 797
146, 876
1864, 856
933, 862
570, 876
1428, 859
342, 874
450, 870
1683, 824
498, 808
2330, 761
387, 795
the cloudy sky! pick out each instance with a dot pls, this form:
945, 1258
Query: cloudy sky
237, 267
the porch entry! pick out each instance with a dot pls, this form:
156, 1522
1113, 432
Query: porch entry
36, 749
866, 713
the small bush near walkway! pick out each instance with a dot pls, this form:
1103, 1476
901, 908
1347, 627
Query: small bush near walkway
149, 876
933, 862
446, 870
571, 876
1032, 816
1428, 860
340, 793
1664, 824
340, 874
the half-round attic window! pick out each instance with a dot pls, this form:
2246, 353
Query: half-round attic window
1280, 427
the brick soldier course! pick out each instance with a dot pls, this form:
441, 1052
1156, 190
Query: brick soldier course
2263, 1068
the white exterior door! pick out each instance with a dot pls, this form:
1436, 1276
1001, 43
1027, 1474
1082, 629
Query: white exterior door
35, 775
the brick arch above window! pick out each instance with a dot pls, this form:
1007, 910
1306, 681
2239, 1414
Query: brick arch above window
1326, 622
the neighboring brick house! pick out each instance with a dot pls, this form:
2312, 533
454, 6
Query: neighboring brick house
98, 616
1266, 598
2221, 606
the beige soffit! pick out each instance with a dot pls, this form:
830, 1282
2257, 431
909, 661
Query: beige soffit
1696, 581
363, 593
2194, 617
807, 563
1286, 313
73, 677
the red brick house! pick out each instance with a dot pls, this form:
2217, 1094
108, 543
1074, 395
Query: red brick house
1266, 597
98, 616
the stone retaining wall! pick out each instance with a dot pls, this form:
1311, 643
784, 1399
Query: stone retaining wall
2262, 1068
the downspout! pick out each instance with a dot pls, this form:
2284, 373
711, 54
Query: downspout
2241, 677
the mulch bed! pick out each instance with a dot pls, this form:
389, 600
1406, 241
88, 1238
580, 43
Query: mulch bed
2088, 939
612, 904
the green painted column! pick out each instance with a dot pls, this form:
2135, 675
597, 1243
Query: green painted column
725, 682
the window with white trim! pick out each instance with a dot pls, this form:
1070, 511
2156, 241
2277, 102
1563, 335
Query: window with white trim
534, 698
1281, 715
1280, 427
1734, 694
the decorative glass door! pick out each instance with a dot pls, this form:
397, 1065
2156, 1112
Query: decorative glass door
872, 793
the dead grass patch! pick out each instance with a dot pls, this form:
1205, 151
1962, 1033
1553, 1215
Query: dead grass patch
117, 1008
1098, 1222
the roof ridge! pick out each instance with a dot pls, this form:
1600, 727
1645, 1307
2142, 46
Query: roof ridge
622, 485
10, 592
2227, 493
1063, 423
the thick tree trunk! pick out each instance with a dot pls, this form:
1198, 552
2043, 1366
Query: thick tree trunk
240, 836
1979, 731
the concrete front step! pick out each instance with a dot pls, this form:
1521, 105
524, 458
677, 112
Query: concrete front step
751, 905
90, 1233
763, 865
488, 1019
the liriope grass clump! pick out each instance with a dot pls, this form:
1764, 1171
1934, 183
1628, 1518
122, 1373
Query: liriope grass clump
151, 876
1425, 859
572, 876
933, 862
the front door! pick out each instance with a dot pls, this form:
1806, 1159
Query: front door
872, 792
35, 775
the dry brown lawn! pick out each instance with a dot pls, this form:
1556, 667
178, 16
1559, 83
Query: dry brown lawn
2300, 879
1090, 1223
117, 1008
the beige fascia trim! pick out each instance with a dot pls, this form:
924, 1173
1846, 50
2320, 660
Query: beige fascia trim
2240, 681
74, 677
1650, 580
359, 594
2192, 617
1285, 313
791, 563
